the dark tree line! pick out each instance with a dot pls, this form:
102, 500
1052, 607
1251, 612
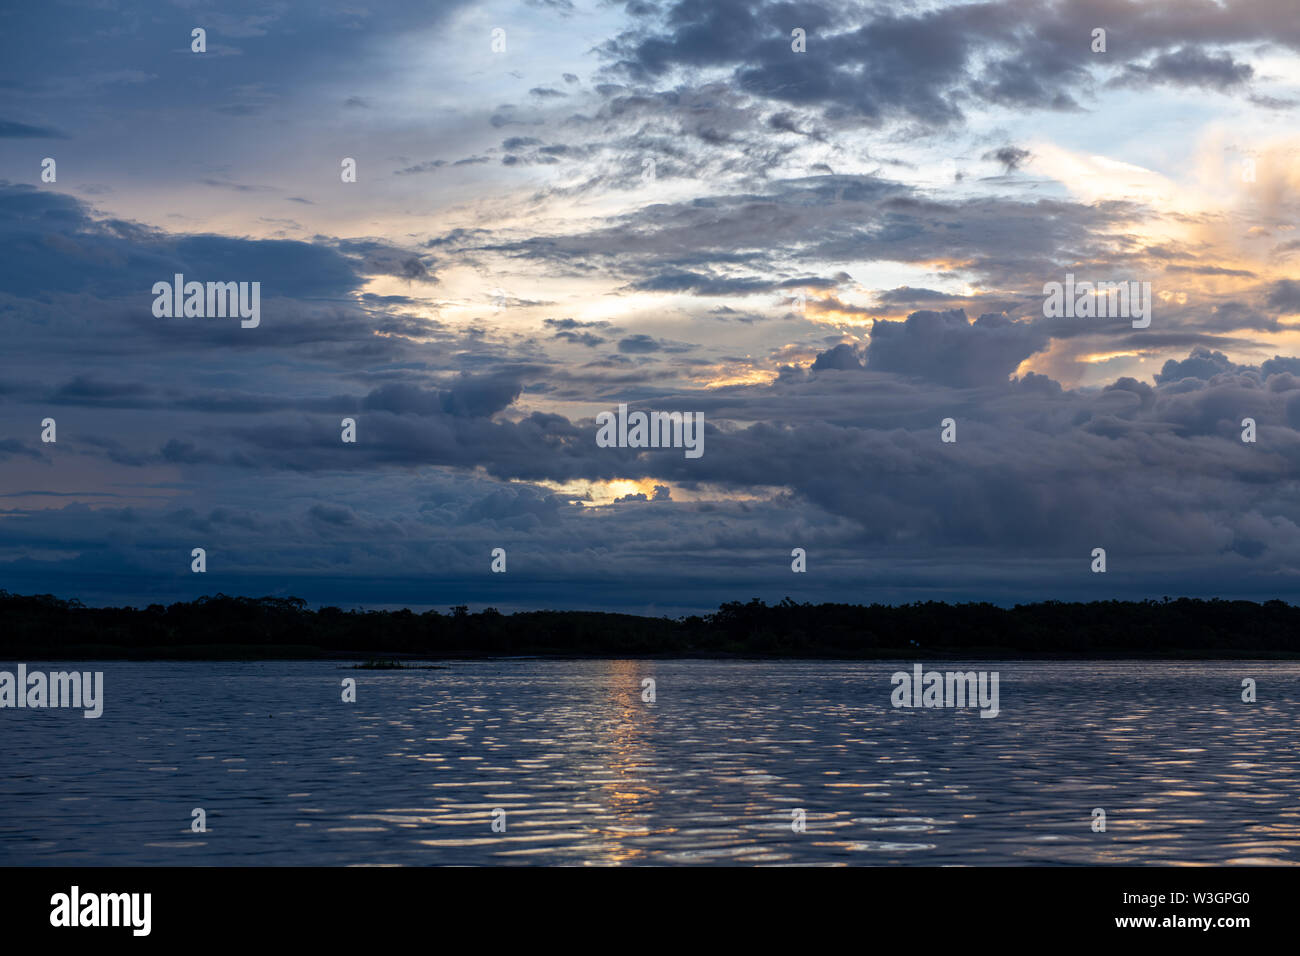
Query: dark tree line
43, 626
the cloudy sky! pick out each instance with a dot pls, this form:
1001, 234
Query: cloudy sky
662, 204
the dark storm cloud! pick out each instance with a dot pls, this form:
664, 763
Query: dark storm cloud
568, 325
944, 347
53, 243
1189, 66
1285, 296
374, 257
1047, 472
641, 344
1200, 364
711, 285
1278, 365
928, 65
274, 44
588, 339
875, 68
753, 243
482, 395
865, 425
841, 455
577, 332
843, 357
1038, 474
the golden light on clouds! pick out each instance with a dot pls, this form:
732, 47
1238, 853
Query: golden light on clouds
721, 376
600, 494
1096, 357
831, 311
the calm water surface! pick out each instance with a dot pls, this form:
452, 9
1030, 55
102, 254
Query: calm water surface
709, 773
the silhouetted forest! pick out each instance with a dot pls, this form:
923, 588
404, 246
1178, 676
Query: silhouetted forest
220, 627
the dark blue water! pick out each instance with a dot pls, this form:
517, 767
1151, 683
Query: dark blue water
588, 773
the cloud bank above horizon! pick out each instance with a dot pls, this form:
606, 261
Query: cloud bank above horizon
666, 205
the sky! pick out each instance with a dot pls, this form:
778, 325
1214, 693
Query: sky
826, 227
